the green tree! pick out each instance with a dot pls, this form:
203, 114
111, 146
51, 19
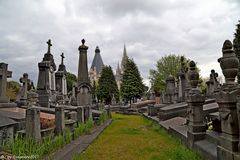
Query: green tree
107, 86
132, 86
236, 45
71, 78
13, 88
166, 66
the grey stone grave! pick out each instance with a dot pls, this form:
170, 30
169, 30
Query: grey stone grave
23, 93
4, 74
61, 82
33, 129
46, 79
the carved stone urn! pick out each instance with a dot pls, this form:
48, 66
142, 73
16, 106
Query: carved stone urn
229, 62
193, 75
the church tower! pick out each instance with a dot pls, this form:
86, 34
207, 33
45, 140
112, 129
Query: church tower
97, 65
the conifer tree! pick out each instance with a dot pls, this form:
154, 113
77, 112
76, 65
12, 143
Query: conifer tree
236, 46
107, 86
132, 86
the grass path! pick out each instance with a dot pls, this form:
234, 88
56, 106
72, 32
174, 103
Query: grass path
135, 138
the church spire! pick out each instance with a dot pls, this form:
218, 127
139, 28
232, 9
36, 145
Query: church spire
124, 58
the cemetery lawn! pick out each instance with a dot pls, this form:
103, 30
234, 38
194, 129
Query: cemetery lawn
133, 137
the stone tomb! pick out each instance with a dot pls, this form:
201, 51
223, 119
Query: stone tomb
4, 74
46, 79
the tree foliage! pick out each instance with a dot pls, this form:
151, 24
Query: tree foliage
71, 79
236, 45
166, 66
132, 85
13, 88
107, 86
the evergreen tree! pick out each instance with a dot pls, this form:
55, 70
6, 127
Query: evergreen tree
132, 86
71, 78
236, 46
107, 86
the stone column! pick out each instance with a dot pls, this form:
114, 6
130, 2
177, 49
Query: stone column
59, 119
33, 123
80, 114
227, 101
196, 126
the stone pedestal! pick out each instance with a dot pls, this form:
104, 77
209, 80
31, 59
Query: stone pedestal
196, 126
59, 119
33, 123
229, 139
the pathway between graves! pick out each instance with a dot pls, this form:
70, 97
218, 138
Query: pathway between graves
133, 137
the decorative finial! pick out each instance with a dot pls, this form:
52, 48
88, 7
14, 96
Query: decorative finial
193, 75
229, 62
49, 45
227, 45
97, 50
83, 47
83, 41
62, 56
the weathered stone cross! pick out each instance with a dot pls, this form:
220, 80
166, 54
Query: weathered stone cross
62, 55
49, 45
25, 81
4, 74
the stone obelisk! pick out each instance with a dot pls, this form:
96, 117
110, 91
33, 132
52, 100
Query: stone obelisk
84, 87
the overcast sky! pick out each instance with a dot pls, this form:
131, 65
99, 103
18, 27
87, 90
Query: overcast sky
149, 28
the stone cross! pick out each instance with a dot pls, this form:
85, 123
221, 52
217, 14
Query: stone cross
26, 82
4, 74
62, 55
49, 45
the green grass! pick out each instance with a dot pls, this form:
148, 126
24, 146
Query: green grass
136, 138
25, 146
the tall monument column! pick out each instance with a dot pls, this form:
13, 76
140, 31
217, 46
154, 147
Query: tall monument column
83, 86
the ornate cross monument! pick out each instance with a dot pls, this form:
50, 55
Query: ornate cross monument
61, 81
46, 79
83, 86
4, 74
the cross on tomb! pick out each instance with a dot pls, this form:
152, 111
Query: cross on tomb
26, 82
4, 74
62, 55
49, 45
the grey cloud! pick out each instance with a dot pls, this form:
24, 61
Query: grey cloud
150, 30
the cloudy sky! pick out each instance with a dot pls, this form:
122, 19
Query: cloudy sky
149, 28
